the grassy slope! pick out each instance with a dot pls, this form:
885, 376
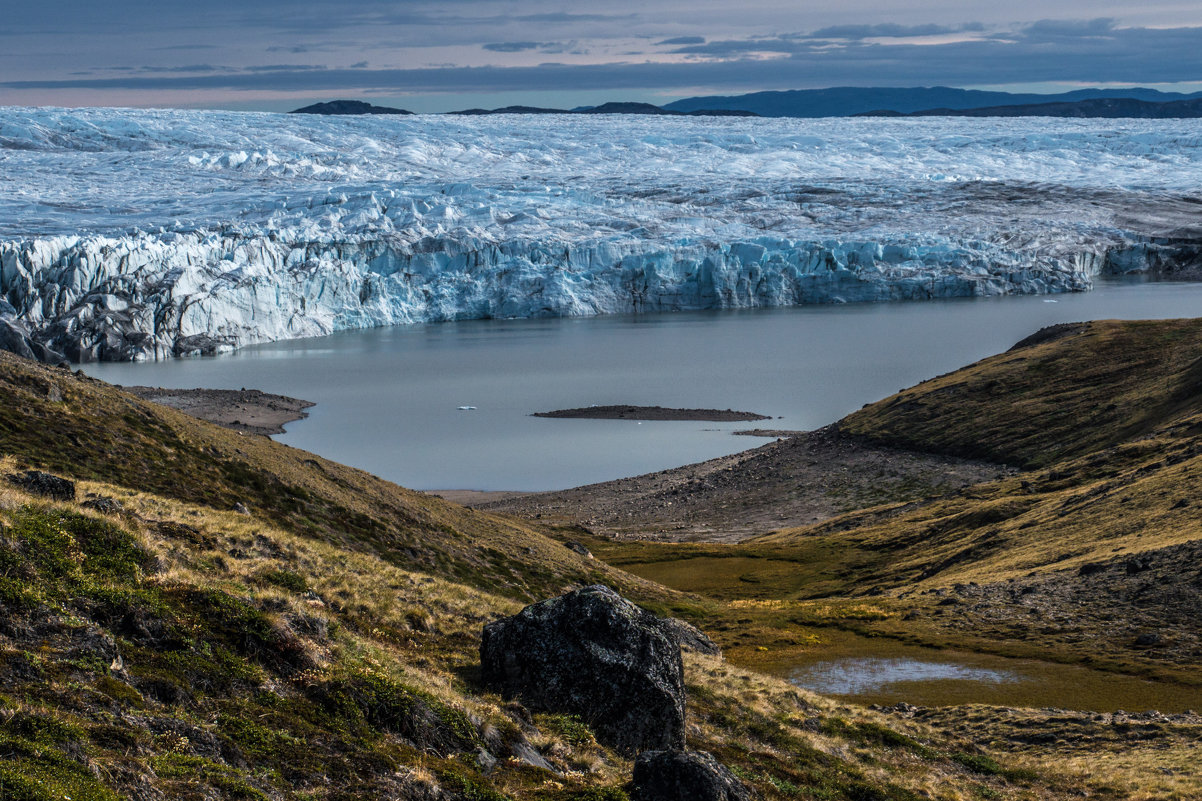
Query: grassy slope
1063, 393
95, 432
1106, 418
325, 645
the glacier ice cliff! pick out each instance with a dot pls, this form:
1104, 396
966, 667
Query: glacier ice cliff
129, 235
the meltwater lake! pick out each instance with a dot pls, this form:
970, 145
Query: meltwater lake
388, 399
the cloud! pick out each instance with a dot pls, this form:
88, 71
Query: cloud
186, 47
542, 47
512, 47
286, 67
186, 68
1126, 55
1069, 29
1094, 50
889, 30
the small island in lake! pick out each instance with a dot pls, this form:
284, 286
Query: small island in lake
623, 412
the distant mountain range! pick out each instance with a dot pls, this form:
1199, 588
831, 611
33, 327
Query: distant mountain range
849, 101
846, 101
1095, 107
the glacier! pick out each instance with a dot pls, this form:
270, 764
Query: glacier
147, 234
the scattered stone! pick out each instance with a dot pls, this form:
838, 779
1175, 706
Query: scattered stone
103, 503
903, 709
579, 548
525, 753
1137, 565
594, 654
692, 638
675, 775
485, 761
240, 508
1091, 569
45, 484
1148, 639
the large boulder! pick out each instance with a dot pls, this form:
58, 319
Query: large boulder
594, 654
685, 776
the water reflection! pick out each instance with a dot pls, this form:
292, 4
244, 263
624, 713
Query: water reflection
864, 676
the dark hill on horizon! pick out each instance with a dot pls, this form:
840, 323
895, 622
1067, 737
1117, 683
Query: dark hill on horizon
1097, 108
608, 108
352, 107
844, 101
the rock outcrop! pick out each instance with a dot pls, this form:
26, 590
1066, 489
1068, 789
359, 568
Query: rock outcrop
593, 654
36, 482
674, 775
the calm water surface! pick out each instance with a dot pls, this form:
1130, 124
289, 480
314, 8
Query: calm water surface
878, 670
387, 398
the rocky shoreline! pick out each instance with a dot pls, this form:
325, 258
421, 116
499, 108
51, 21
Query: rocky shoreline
247, 410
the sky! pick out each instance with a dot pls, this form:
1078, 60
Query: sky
275, 55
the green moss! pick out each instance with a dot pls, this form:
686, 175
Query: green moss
978, 763
254, 740
869, 733
287, 579
569, 728
367, 696
198, 770
587, 794
470, 788
17, 594
44, 729
36, 770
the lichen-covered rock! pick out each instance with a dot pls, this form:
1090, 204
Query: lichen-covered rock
675, 775
594, 654
39, 483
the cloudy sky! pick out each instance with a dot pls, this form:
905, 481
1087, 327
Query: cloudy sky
439, 56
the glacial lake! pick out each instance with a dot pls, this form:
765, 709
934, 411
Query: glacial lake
388, 399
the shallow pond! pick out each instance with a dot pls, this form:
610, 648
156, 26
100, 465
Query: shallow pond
882, 671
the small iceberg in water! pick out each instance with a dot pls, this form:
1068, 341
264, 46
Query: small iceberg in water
466, 408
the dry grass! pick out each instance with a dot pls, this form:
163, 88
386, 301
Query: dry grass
384, 622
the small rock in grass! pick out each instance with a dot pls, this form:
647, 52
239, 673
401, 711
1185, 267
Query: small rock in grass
38, 483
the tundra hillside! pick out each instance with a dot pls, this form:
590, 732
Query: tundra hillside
215, 615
